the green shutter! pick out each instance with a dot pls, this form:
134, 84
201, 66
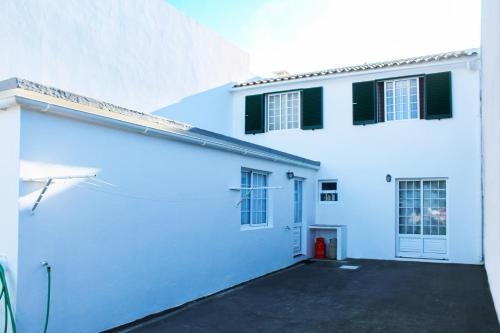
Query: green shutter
254, 114
312, 108
364, 110
438, 96
380, 101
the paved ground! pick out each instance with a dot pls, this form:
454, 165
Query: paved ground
381, 296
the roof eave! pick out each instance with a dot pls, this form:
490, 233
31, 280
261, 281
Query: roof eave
39, 102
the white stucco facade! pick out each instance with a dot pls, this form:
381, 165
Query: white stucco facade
10, 122
159, 226
211, 109
490, 50
143, 55
360, 157
163, 214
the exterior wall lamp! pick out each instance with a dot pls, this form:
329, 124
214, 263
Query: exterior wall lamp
290, 175
388, 178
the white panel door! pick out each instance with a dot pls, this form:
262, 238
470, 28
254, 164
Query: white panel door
422, 219
297, 225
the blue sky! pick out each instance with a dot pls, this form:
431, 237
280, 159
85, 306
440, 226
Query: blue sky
228, 18
305, 35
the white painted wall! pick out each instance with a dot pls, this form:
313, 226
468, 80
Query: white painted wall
117, 257
490, 50
360, 157
210, 109
9, 191
138, 54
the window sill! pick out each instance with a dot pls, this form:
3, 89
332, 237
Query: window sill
283, 130
248, 228
402, 120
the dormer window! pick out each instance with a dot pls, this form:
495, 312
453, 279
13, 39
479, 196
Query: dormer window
283, 110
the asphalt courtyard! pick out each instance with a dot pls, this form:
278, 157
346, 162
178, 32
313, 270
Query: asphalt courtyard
379, 296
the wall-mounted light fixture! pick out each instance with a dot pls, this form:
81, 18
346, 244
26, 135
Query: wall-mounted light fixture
290, 175
388, 178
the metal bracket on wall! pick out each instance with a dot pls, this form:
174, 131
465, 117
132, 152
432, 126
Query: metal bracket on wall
40, 196
48, 181
248, 190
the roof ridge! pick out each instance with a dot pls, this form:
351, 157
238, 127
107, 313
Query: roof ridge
84, 100
366, 66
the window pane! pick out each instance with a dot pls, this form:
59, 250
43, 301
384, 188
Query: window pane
293, 110
258, 199
389, 100
328, 191
401, 99
283, 110
329, 186
435, 207
245, 197
413, 98
298, 201
410, 210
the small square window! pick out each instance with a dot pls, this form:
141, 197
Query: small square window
328, 191
329, 186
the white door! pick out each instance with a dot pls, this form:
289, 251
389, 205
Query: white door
297, 225
422, 219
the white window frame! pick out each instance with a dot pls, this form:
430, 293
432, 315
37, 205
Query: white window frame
285, 113
408, 91
449, 222
298, 215
250, 192
421, 199
321, 191
298, 206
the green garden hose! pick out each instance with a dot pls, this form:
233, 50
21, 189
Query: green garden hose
4, 293
7, 305
6, 318
48, 299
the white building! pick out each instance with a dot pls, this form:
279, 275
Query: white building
160, 223
112, 198
416, 121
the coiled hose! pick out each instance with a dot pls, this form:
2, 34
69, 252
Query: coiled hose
4, 293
